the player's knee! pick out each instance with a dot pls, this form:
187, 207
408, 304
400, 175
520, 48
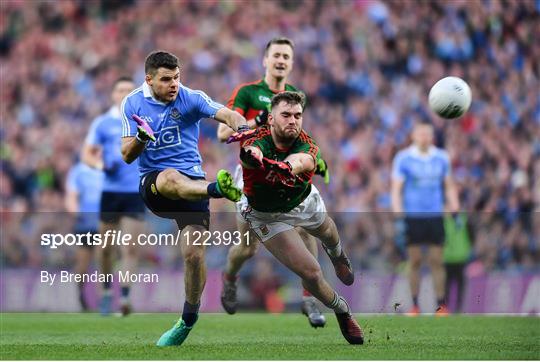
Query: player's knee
194, 256
249, 250
170, 181
312, 275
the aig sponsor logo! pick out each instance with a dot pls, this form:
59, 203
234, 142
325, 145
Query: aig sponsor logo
167, 137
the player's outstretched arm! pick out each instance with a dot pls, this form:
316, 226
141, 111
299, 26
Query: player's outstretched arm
301, 162
251, 157
224, 132
231, 118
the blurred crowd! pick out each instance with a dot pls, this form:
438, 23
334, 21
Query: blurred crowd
366, 67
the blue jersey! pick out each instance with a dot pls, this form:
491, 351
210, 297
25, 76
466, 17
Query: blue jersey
175, 126
87, 182
105, 132
423, 176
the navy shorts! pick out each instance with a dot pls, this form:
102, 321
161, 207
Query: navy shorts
184, 212
424, 230
115, 205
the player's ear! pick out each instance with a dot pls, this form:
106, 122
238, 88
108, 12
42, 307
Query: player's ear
148, 79
270, 119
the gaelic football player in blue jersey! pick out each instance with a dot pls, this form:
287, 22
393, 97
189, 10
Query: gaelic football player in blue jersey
161, 129
422, 187
121, 206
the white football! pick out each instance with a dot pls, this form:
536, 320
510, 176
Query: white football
450, 97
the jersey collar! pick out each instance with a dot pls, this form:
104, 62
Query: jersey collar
272, 90
147, 92
114, 112
415, 151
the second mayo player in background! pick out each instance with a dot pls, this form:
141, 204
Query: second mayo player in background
122, 208
253, 101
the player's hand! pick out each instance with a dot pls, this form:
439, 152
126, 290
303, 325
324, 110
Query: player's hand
322, 170
243, 133
250, 159
145, 132
282, 169
262, 118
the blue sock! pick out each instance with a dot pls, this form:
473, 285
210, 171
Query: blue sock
213, 190
415, 301
124, 292
190, 313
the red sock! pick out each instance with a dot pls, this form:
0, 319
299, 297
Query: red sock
306, 294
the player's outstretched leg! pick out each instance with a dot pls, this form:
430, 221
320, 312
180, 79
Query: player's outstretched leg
194, 280
173, 185
309, 305
328, 234
288, 249
237, 256
226, 186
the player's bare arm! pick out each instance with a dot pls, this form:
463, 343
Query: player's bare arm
131, 148
71, 201
232, 119
451, 194
224, 131
92, 156
301, 162
397, 204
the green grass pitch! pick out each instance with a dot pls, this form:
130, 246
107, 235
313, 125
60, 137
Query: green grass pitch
268, 337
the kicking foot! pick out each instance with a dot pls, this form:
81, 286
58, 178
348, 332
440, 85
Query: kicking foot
226, 186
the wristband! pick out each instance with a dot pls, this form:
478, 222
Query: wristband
144, 142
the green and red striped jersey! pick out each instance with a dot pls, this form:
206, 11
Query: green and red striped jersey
262, 188
249, 99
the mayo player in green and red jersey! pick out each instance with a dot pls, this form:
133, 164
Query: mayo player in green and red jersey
278, 164
252, 100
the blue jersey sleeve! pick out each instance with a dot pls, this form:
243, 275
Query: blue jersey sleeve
129, 126
204, 106
398, 170
72, 182
94, 136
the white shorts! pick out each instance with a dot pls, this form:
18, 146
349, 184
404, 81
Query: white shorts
310, 214
238, 179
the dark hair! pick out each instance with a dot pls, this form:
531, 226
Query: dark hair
278, 40
123, 78
160, 59
291, 98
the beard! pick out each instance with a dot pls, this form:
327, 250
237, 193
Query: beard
287, 135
